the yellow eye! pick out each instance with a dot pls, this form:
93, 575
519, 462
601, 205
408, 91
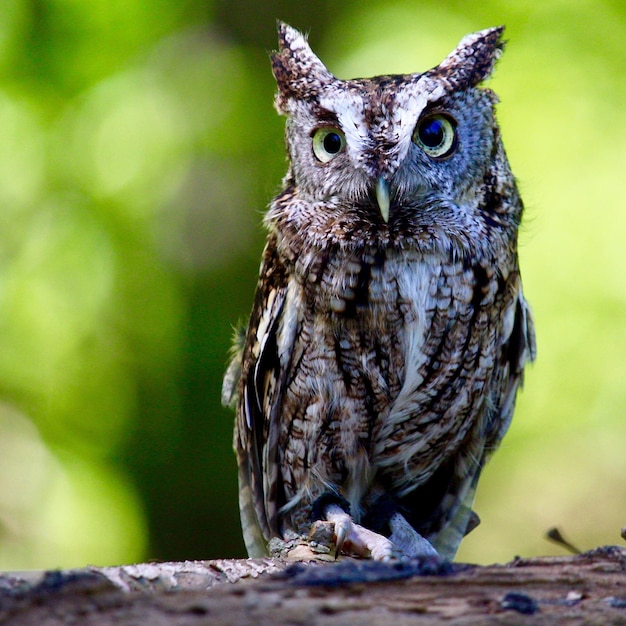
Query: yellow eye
328, 143
435, 134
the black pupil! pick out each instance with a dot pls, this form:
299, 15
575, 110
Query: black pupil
332, 143
432, 133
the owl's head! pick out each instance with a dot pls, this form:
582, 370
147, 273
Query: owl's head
395, 143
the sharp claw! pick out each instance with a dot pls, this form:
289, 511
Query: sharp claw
341, 534
342, 523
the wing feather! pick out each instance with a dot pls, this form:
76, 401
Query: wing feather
263, 364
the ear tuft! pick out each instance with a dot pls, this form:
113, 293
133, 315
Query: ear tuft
473, 60
298, 72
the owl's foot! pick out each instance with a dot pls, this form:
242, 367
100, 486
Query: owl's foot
353, 538
407, 540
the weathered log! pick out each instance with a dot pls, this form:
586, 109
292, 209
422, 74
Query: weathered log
582, 589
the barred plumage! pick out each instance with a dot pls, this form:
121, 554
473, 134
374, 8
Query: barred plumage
389, 331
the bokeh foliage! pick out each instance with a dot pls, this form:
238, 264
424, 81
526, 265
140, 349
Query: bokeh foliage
138, 148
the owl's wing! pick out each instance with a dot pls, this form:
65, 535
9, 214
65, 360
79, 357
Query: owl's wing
517, 349
263, 366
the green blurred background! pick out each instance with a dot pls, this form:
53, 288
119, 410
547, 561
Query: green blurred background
138, 149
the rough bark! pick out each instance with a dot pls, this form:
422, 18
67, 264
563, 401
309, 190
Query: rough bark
585, 589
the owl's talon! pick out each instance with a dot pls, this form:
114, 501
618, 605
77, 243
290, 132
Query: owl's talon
356, 539
342, 523
342, 532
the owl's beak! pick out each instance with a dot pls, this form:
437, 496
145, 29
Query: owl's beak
383, 197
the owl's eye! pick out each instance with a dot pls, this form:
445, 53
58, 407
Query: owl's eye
435, 134
328, 143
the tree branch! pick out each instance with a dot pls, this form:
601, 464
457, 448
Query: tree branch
581, 589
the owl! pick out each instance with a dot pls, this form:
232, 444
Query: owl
389, 333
